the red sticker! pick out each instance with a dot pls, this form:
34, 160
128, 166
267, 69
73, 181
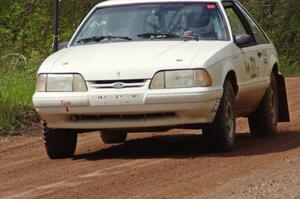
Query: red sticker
211, 6
65, 104
188, 33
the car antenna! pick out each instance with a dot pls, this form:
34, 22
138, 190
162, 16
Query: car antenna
55, 20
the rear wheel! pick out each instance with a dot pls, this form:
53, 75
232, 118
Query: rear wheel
220, 135
110, 137
59, 143
263, 122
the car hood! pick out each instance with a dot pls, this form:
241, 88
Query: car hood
134, 60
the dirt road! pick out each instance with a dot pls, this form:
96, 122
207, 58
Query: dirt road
170, 165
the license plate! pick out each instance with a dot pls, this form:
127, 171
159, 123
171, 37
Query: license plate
120, 99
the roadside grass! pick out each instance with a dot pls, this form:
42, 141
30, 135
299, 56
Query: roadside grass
290, 72
289, 68
16, 109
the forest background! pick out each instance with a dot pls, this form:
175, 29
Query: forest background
26, 29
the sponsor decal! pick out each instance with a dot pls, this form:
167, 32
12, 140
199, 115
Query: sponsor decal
188, 33
66, 105
247, 68
121, 99
211, 6
251, 68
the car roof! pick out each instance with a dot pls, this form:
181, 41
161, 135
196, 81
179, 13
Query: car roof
123, 2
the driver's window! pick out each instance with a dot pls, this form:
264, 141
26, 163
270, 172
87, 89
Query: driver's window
237, 26
258, 34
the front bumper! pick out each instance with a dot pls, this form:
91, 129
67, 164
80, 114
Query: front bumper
152, 108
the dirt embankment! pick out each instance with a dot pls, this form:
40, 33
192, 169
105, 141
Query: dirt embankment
170, 165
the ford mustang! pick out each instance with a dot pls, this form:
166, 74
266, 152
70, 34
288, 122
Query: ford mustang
154, 65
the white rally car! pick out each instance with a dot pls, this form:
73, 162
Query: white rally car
153, 65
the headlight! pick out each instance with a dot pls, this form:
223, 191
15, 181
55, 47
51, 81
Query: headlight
181, 79
60, 83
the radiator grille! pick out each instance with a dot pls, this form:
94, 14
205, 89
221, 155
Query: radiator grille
117, 84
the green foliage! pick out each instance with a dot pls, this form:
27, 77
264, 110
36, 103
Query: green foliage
16, 89
26, 26
26, 39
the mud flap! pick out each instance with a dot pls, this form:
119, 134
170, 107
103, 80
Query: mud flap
283, 107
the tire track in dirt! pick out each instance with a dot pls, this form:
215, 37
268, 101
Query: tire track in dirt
170, 165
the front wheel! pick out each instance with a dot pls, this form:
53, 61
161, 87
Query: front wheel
59, 143
263, 122
220, 135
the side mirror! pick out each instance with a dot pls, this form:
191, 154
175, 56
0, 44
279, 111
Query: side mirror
63, 45
243, 40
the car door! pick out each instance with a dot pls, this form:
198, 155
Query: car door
252, 81
261, 39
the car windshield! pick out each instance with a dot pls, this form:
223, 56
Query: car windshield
201, 21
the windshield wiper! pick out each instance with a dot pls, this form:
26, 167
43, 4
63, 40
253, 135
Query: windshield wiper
163, 35
100, 38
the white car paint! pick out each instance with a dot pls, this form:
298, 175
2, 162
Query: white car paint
139, 58
142, 60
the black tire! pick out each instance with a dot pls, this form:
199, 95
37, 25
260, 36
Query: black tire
111, 137
263, 122
220, 135
59, 143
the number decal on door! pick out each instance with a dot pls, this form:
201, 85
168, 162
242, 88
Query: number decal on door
251, 68
254, 69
